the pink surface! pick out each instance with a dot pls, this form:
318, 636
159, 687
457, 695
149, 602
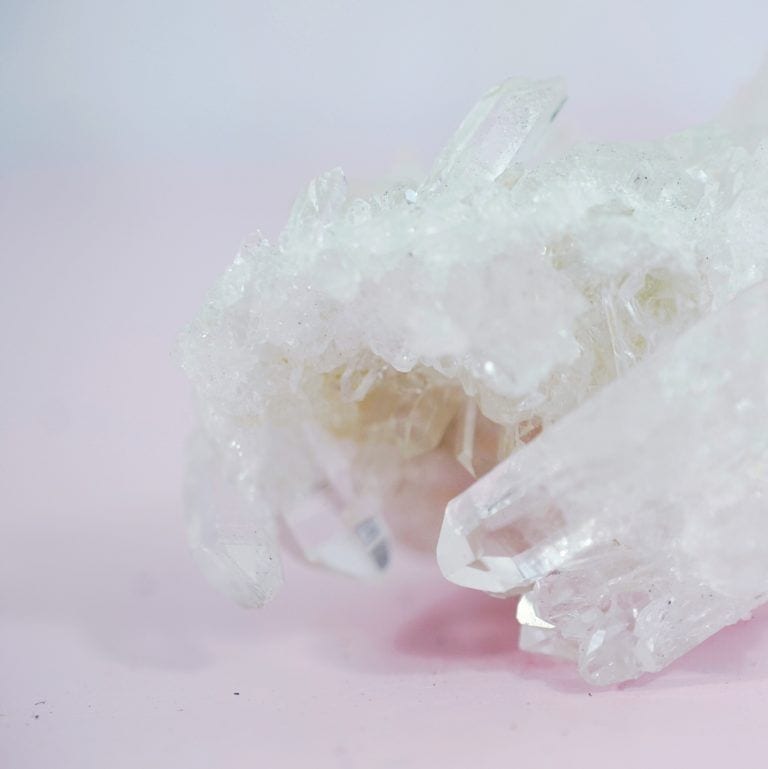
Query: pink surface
133, 158
116, 654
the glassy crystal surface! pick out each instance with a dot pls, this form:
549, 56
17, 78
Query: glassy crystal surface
385, 352
231, 532
639, 522
501, 132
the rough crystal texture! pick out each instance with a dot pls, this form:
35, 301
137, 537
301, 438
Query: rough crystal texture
640, 521
386, 351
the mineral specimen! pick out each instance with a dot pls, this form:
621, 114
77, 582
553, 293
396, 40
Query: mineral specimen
386, 352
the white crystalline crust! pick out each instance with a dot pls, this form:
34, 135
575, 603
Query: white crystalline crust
356, 374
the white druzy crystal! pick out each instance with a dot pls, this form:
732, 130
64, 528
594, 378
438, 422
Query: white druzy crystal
358, 373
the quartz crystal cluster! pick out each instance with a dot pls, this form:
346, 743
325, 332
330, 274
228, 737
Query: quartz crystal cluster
567, 347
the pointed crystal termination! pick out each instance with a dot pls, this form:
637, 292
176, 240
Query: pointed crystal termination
323, 200
329, 503
503, 128
638, 522
231, 535
322, 497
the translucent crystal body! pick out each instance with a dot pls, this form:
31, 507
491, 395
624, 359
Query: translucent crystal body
385, 352
640, 520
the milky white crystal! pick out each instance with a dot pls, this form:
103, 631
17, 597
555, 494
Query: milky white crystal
385, 352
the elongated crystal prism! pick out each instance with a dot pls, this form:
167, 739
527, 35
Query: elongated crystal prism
639, 522
503, 129
232, 536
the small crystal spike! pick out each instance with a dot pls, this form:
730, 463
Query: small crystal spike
503, 128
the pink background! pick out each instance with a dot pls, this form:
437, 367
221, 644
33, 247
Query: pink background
137, 146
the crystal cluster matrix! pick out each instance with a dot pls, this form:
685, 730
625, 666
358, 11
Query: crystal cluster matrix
566, 346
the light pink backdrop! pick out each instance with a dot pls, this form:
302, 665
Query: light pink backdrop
137, 146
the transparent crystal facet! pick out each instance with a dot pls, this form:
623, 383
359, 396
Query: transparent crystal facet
638, 522
231, 535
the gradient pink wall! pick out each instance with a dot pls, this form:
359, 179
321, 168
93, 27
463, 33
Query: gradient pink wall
138, 143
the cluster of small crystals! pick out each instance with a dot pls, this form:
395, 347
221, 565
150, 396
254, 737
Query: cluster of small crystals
366, 368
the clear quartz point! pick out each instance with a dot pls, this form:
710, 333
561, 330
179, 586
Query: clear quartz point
329, 503
231, 535
638, 523
503, 129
